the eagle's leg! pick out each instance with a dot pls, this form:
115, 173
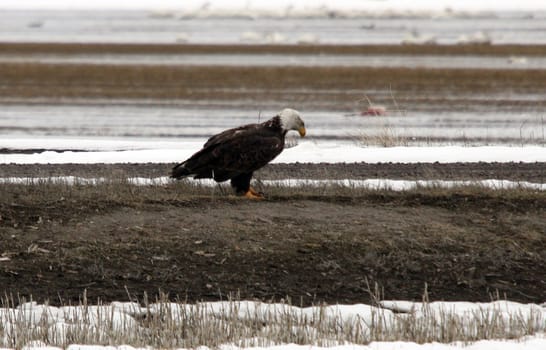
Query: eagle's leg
241, 185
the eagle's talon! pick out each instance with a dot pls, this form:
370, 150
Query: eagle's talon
252, 194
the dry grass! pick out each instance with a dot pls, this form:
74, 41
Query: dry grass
166, 324
71, 199
387, 137
123, 190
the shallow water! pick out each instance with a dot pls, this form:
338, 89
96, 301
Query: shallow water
147, 122
284, 60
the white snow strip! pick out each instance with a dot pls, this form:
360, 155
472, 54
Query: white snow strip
93, 144
305, 152
531, 343
405, 185
372, 184
316, 153
118, 318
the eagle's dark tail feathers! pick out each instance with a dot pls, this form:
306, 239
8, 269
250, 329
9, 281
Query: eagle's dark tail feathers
180, 171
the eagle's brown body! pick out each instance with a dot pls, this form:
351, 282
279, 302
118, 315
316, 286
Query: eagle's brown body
236, 153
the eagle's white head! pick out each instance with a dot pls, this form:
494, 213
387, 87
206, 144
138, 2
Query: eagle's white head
291, 120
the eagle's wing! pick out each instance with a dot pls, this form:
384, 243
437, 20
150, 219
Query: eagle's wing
245, 151
232, 152
230, 134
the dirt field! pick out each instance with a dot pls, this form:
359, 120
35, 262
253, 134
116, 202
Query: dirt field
256, 88
530, 172
311, 246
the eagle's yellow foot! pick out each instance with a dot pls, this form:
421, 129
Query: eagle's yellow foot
253, 194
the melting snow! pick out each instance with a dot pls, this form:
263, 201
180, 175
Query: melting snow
304, 152
372, 184
57, 322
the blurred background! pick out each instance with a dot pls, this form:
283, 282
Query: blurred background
371, 72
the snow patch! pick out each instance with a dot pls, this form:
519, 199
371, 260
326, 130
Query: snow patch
304, 152
119, 317
371, 184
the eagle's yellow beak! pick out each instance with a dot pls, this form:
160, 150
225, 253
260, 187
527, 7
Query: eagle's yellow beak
302, 131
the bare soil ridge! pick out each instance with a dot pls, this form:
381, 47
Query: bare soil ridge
310, 245
530, 172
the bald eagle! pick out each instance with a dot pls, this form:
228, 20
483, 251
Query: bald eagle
236, 153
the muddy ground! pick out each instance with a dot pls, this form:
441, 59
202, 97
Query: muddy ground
530, 172
465, 244
257, 88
